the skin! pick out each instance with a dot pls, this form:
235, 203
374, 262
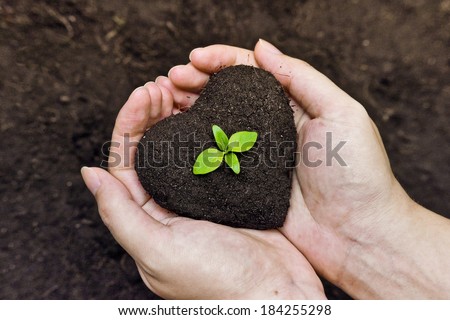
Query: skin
183, 258
352, 224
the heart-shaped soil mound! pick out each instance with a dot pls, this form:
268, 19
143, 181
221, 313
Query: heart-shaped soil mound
240, 98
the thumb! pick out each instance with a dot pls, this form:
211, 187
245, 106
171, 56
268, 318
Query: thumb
315, 93
131, 226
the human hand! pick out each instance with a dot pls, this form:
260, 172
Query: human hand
341, 210
183, 258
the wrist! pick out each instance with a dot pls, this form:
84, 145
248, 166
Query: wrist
397, 258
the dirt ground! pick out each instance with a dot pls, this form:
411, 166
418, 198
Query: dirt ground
66, 67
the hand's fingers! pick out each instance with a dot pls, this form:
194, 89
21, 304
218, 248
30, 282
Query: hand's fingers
184, 82
130, 126
187, 77
161, 103
137, 232
132, 118
317, 94
183, 99
155, 110
167, 103
213, 58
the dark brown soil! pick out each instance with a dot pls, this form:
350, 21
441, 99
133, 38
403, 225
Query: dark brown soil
66, 67
236, 99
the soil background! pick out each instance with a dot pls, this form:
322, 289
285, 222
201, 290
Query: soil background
66, 67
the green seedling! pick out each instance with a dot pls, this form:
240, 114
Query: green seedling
211, 158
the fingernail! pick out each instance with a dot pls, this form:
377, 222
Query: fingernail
269, 47
192, 52
91, 179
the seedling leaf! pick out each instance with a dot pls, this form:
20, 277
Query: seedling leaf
208, 161
242, 141
221, 137
233, 162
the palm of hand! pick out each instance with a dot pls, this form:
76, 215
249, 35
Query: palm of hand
210, 261
336, 200
335, 190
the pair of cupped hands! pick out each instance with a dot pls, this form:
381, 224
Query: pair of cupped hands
337, 213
